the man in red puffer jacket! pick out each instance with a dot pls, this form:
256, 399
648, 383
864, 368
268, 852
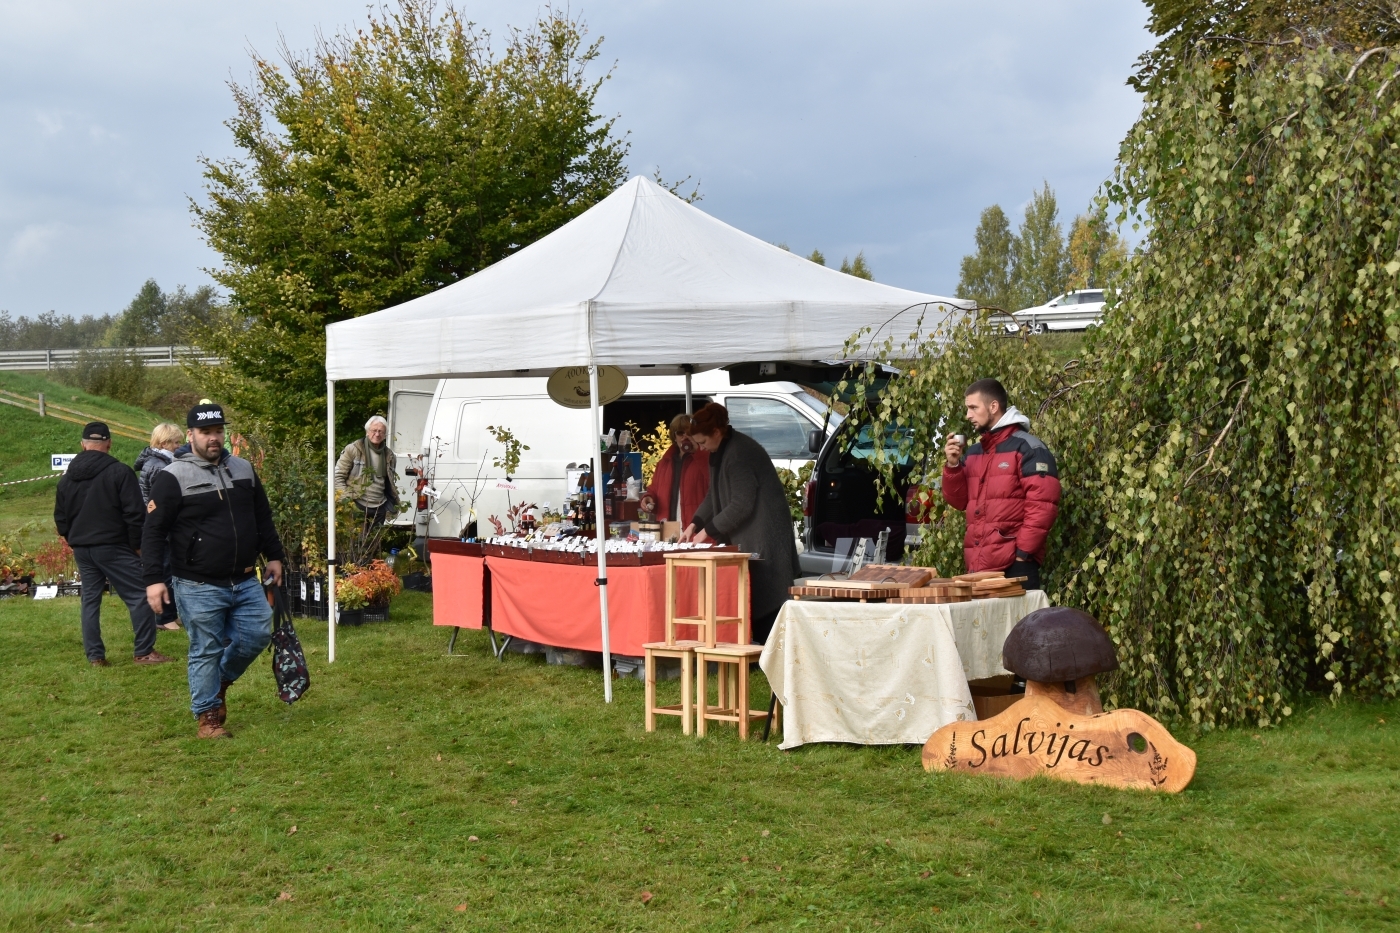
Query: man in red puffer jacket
1008, 485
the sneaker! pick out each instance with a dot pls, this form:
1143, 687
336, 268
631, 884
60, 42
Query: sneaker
210, 728
99, 662
155, 657
171, 626
222, 712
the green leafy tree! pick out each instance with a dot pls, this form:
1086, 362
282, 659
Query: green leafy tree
857, 267
50, 331
383, 165
1231, 492
1096, 254
1039, 260
140, 324
986, 274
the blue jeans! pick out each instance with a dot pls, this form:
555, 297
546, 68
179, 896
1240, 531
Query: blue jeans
228, 626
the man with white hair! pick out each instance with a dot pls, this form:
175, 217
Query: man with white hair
365, 472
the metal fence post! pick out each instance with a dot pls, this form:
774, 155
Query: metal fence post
41, 404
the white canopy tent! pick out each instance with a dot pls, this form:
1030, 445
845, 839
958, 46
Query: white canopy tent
643, 281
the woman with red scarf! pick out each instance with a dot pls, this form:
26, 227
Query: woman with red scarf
681, 480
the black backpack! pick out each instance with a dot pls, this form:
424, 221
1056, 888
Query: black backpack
288, 660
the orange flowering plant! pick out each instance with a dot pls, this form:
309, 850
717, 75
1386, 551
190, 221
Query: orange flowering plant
374, 585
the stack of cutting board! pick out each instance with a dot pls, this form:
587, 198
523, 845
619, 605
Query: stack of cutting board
909, 586
871, 583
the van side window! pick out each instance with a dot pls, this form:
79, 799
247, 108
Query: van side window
780, 429
469, 431
408, 414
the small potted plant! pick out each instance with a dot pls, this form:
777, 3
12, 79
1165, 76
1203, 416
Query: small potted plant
364, 593
55, 564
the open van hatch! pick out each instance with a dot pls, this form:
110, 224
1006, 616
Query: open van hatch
821, 376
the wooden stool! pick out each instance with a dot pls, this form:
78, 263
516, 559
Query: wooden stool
685, 651
708, 565
733, 662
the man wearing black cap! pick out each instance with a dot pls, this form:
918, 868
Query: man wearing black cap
98, 512
210, 508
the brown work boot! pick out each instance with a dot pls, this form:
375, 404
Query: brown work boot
100, 662
210, 727
155, 657
222, 711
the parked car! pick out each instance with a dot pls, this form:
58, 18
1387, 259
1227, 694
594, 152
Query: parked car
1074, 310
841, 504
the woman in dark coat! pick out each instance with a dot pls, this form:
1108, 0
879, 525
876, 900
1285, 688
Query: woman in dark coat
747, 507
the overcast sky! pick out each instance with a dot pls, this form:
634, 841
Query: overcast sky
876, 126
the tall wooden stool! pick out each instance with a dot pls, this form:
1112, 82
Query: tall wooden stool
707, 620
707, 564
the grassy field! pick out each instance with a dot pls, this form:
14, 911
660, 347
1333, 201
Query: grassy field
26, 441
414, 791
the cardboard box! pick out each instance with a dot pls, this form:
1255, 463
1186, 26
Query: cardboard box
993, 695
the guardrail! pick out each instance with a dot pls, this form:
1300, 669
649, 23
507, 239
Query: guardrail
42, 360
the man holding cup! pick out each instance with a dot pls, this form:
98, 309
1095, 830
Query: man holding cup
1008, 484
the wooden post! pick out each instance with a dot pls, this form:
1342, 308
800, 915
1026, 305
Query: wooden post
41, 405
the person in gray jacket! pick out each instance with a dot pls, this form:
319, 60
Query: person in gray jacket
165, 438
365, 472
747, 507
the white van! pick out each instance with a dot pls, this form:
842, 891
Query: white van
445, 420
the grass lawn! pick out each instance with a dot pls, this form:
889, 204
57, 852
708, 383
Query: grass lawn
26, 441
414, 791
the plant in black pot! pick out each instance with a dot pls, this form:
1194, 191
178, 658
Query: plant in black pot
364, 593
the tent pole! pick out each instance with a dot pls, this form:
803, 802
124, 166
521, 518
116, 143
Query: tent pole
600, 520
330, 520
689, 405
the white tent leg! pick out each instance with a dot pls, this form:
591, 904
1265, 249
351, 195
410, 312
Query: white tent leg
330, 520
689, 406
599, 483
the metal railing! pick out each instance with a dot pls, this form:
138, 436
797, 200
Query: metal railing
41, 360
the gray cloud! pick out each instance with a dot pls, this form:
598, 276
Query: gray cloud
882, 126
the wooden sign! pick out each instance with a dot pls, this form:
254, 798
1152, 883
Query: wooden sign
1124, 748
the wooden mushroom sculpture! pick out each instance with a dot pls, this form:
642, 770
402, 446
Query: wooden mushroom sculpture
1060, 729
1059, 651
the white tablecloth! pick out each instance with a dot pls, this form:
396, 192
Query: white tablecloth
882, 674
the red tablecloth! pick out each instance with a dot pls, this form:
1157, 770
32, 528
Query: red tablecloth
458, 598
557, 604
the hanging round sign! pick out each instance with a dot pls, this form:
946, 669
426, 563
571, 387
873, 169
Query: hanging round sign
569, 385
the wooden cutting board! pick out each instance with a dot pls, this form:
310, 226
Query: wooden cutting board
841, 584
861, 594
893, 573
914, 598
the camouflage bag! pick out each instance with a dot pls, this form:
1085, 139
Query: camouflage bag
288, 660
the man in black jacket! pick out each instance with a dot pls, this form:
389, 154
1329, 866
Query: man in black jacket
210, 509
98, 512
